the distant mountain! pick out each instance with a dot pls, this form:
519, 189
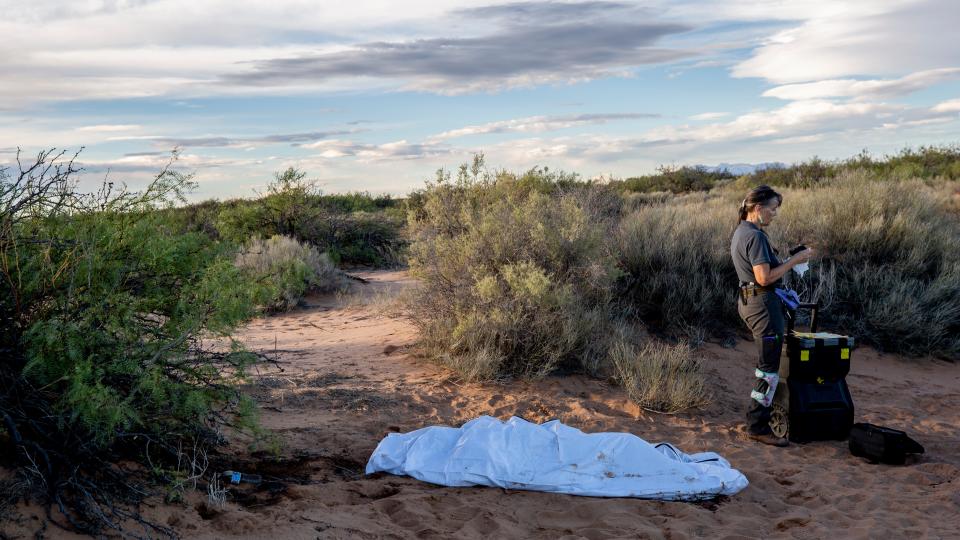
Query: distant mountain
739, 169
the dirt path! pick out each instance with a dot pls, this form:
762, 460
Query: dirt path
350, 377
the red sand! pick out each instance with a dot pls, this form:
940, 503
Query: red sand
350, 377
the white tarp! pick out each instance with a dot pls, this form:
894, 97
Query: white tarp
517, 454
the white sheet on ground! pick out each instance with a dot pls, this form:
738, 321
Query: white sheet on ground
517, 454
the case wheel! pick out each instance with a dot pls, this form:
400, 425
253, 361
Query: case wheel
780, 420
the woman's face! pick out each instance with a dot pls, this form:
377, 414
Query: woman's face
767, 212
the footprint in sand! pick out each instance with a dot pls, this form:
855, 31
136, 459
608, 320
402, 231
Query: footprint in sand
790, 523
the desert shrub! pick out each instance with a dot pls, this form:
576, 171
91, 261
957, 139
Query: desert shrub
364, 238
894, 276
660, 376
808, 173
356, 202
238, 219
888, 271
678, 275
354, 228
675, 180
288, 268
925, 162
516, 276
107, 313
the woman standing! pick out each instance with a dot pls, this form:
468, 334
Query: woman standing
760, 270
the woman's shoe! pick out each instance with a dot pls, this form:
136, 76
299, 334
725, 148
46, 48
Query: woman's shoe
770, 438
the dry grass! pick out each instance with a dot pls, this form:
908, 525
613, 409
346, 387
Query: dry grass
383, 301
660, 377
888, 271
216, 493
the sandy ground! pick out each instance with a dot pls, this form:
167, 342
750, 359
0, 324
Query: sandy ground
350, 376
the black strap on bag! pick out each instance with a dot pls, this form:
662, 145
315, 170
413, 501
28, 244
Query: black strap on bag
882, 444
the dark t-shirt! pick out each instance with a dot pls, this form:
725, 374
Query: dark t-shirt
750, 247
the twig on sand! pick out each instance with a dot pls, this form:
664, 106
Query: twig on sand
356, 278
660, 412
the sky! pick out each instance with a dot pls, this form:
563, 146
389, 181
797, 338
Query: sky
377, 95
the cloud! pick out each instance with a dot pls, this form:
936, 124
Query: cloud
299, 139
709, 115
154, 162
145, 154
549, 12
859, 39
397, 150
863, 89
795, 123
109, 128
795, 118
518, 55
539, 123
952, 105
144, 49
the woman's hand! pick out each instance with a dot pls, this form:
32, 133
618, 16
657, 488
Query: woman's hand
803, 256
764, 275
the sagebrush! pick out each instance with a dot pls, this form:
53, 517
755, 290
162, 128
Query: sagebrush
289, 269
515, 271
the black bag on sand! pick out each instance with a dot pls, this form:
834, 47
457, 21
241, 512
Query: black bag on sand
881, 444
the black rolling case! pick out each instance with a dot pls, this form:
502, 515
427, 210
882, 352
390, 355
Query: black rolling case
813, 401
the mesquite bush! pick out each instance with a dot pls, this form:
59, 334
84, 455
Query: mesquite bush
115, 339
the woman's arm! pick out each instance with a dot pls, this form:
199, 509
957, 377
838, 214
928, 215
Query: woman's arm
765, 276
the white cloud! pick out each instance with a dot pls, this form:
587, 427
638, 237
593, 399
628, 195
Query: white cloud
796, 118
184, 48
366, 152
864, 89
952, 105
799, 122
772, 10
533, 124
109, 128
859, 38
709, 115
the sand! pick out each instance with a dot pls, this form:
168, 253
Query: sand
351, 374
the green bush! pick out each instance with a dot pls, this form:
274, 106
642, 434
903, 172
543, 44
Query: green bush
289, 268
352, 228
926, 163
675, 180
109, 308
